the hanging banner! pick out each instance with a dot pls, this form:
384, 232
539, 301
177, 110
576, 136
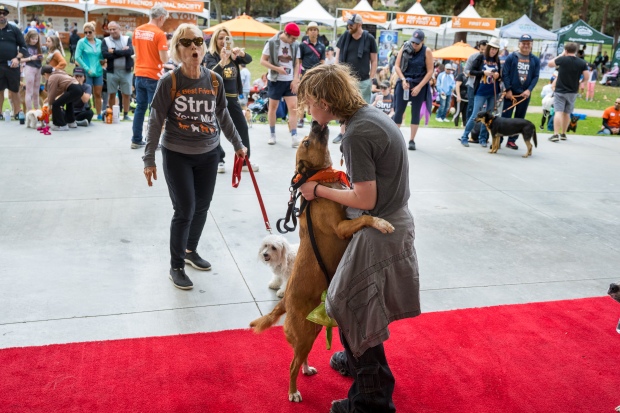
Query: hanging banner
170, 5
428, 20
471, 23
367, 16
548, 52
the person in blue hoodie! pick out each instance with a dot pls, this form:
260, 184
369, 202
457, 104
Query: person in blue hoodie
520, 75
445, 85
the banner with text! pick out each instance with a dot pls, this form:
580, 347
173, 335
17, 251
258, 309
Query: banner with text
473, 24
367, 16
170, 5
427, 20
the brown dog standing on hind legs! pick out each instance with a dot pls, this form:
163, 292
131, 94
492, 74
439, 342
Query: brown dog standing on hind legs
332, 232
498, 127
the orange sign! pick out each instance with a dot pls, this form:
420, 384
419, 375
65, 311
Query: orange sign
471, 23
367, 16
61, 11
170, 5
429, 20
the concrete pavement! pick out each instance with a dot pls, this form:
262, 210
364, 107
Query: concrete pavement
84, 240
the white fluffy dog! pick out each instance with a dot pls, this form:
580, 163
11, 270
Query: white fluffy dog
32, 118
276, 252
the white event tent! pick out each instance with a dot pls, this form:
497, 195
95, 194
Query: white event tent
309, 10
524, 25
471, 13
363, 5
416, 9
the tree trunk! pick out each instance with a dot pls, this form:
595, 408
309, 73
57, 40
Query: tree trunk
248, 6
584, 10
370, 2
218, 10
557, 14
603, 24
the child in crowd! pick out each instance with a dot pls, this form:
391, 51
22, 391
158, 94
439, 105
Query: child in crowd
591, 82
547, 102
55, 53
32, 69
445, 85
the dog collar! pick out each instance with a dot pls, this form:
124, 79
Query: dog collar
327, 175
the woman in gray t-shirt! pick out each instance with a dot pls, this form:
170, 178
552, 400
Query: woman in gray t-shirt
191, 100
380, 270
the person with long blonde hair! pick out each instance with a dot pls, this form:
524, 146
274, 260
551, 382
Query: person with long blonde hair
375, 155
190, 104
88, 56
224, 60
55, 53
32, 69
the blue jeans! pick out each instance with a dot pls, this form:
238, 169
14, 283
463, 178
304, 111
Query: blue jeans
444, 104
479, 102
145, 89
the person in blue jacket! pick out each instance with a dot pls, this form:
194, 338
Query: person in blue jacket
520, 74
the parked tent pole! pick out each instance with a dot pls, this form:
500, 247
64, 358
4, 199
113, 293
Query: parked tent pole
19, 15
86, 11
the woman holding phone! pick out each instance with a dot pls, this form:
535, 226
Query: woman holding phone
224, 59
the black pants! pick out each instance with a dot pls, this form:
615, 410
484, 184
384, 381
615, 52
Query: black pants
62, 108
84, 114
520, 111
236, 114
191, 182
462, 107
470, 108
72, 50
373, 382
543, 120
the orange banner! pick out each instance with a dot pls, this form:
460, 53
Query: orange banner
429, 20
367, 16
471, 23
170, 5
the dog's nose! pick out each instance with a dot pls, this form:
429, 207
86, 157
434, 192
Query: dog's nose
613, 288
265, 254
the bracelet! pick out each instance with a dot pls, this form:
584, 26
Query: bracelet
314, 191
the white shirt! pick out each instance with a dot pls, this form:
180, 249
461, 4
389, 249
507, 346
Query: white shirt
285, 60
246, 80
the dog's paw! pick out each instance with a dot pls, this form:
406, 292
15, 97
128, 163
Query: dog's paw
382, 225
294, 397
274, 284
280, 293
308, 370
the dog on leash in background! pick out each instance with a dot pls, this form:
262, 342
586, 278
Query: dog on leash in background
276, 252
498, 127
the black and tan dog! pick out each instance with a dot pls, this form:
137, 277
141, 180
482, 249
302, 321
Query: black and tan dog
572, 126
498, 127
332, 232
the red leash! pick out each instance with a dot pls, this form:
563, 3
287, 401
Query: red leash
236, 179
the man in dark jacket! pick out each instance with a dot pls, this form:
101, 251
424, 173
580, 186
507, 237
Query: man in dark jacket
520, 75
117, 50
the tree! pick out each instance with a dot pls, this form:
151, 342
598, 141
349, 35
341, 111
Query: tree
557, 14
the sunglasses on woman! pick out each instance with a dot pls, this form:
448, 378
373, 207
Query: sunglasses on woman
198, 41
88, 32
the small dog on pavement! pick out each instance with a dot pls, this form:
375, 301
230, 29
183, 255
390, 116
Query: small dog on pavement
32, 118
277, 253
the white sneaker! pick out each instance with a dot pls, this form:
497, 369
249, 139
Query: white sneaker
295, 141
221, 168
59, 128
272, 139
72, 125
255, 167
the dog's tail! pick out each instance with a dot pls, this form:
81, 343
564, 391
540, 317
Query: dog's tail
261, 324
534, 138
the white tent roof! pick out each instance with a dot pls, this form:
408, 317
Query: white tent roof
309, 10
526, 26
416, 9
469, 12
363, 5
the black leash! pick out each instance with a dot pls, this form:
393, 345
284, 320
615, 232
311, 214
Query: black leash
292, 211
315, 247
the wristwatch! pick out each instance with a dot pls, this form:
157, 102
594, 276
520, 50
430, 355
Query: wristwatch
403, 79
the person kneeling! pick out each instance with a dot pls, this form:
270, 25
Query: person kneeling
63, 91
81, 108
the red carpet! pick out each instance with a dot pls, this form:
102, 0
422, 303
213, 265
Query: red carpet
558, 356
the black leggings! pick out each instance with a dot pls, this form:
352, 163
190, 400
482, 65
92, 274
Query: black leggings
236, 114
191, 182
462, 113
62, 108
401, 105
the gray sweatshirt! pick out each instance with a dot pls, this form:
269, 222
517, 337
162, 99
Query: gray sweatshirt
191, 125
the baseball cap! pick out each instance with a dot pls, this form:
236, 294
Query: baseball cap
79, 71
525, 38
448, 66
311, 25
4, 9
355, 19
418, 36
292, 29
